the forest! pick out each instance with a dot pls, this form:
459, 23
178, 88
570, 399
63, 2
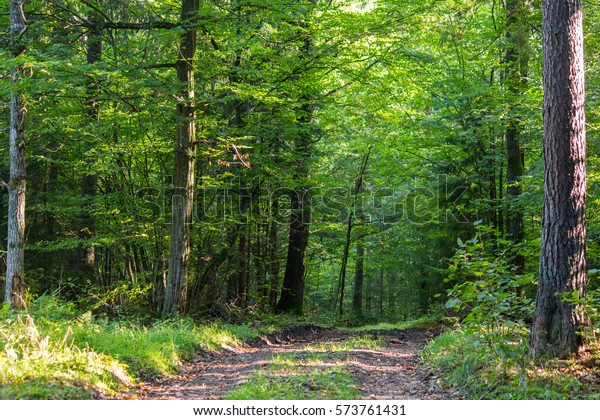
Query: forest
187, 184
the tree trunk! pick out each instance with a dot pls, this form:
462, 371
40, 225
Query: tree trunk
345, 253
15, 258
292, 292
357, 295
273, 264
89, 182
185, 158
380, 294
517, 60
357, 188
562, 261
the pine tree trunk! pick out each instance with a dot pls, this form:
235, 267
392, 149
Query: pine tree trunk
562, 261
185, 160
15, 258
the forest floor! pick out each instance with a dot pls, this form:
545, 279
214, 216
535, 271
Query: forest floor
377, 364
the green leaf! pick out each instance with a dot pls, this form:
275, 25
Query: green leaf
452, 303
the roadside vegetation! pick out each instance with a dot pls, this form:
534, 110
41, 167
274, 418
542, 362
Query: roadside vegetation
50, 352
487, 354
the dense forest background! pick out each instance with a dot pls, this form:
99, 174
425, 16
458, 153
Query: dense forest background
185, 174
356, 157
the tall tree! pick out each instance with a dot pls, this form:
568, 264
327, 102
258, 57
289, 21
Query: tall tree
359, 275
89, 183
517, 62
292, 292
185, 161
562, 260
15, 259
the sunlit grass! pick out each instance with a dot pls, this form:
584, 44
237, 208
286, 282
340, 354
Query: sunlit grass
353, 343
500, 368
387, 326
35, 365
288, 382
55, 354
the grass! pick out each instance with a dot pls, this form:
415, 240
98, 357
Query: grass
50, 353
488, 366
38, 366
427, 321
353, 343
298, 376
315, 373
330, 384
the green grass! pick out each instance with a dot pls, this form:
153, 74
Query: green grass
34, 365
301, 376
492, 366
331, 384
51, 353
314, 373
353, 343
427, 321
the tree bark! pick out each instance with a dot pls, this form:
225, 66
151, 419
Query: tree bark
517, 61
380, 292
89, 182
292, 292
273, 264
359, 274
562, 261
357, 188
185, 158
15, 258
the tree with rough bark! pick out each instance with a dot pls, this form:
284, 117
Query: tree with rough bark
558, 320
89, 182
15, 259
185, 161
292, 291
517, 62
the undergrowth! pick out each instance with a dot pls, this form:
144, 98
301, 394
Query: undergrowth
487, 355
503, 369
52, 353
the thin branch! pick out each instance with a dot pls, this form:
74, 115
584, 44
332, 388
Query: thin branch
160, 66
3, 184
239, 156
138, 26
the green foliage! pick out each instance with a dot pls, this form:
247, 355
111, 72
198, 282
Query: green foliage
55, 354
481, 373
44, 363
590, 306
487, 291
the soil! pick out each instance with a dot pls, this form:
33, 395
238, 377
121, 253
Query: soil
392, 373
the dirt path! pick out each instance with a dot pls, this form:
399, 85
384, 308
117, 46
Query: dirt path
394, 372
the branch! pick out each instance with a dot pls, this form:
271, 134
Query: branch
160, 66
137, 26
237, 155
3, 184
